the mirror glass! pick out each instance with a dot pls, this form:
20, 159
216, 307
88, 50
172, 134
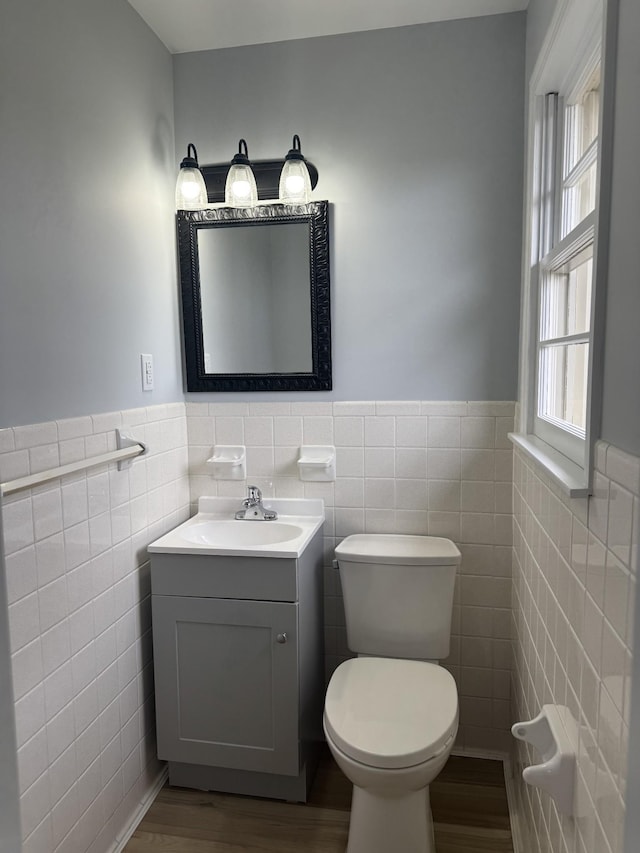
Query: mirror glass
255, 297
259, 277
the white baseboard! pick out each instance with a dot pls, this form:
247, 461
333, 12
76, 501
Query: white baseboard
514, 814
466, 752
139, 812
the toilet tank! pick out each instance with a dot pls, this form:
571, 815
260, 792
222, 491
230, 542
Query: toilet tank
398, 594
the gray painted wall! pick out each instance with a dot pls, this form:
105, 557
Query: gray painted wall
417, 133
621, 402
87, 169
539, 15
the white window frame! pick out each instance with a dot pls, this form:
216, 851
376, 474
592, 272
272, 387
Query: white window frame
577, 39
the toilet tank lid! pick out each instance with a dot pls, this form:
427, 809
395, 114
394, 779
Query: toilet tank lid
396, 549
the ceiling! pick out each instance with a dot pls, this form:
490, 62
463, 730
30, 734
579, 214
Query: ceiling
188, 25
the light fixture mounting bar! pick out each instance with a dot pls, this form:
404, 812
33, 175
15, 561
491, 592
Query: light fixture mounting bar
267, 174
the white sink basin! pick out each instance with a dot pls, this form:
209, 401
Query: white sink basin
236, 534
214, 530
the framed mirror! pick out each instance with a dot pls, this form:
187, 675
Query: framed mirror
255, 297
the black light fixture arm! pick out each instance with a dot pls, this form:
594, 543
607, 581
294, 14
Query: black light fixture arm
295, 152
242, 157
191, 160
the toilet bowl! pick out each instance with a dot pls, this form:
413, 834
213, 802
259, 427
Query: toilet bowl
390, 725
391, 715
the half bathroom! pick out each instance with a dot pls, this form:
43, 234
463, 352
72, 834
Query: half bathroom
421, 138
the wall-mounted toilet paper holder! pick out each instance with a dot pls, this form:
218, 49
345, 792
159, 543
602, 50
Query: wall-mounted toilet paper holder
553, 733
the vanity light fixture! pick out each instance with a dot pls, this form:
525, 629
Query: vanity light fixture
295, 182
266, 173
191, 192
240, 188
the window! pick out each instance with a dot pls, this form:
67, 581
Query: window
564, 269
560, 320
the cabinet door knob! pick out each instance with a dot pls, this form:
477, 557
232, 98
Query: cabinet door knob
281, 638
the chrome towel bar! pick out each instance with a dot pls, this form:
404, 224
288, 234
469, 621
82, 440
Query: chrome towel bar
128, 449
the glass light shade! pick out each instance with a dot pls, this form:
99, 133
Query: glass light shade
191, 193
295, 183
240, 189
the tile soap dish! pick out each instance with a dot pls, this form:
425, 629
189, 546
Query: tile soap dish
317, 463
228, 462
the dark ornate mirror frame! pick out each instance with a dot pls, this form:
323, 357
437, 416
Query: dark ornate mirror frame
189, 223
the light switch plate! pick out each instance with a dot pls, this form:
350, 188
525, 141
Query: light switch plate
146, 367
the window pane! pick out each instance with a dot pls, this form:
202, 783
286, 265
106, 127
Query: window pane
579, 171
591, 112
562, 389
581, 123
565, 307
579, 200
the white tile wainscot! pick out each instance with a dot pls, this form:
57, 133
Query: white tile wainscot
574, 575
79, 619
77, 573
439, 468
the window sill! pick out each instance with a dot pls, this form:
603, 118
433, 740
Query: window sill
571, 478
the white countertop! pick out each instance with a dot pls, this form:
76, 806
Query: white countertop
305, 514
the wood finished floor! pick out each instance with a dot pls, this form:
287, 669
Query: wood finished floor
468, 801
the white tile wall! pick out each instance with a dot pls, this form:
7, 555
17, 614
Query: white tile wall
77, 571
79, 615
443, 469
574, 589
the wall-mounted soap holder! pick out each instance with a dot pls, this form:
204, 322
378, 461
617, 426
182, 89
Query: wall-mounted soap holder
228, 462
317, 463
554, 734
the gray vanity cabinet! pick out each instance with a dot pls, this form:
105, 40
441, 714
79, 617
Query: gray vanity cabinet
239, 682
228, 689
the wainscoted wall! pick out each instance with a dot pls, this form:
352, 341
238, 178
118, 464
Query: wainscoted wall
573, 608
402, 467
79, 617
78, 581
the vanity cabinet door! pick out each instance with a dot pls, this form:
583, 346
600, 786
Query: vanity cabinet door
226, 674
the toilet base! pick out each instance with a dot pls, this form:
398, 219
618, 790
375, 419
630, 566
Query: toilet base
380, 824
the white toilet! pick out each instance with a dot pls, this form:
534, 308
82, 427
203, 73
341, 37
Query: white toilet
391, 714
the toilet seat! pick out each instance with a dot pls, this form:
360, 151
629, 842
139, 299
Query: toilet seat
391, 713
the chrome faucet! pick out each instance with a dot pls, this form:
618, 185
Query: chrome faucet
253, 509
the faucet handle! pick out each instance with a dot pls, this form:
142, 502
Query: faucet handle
255, 495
